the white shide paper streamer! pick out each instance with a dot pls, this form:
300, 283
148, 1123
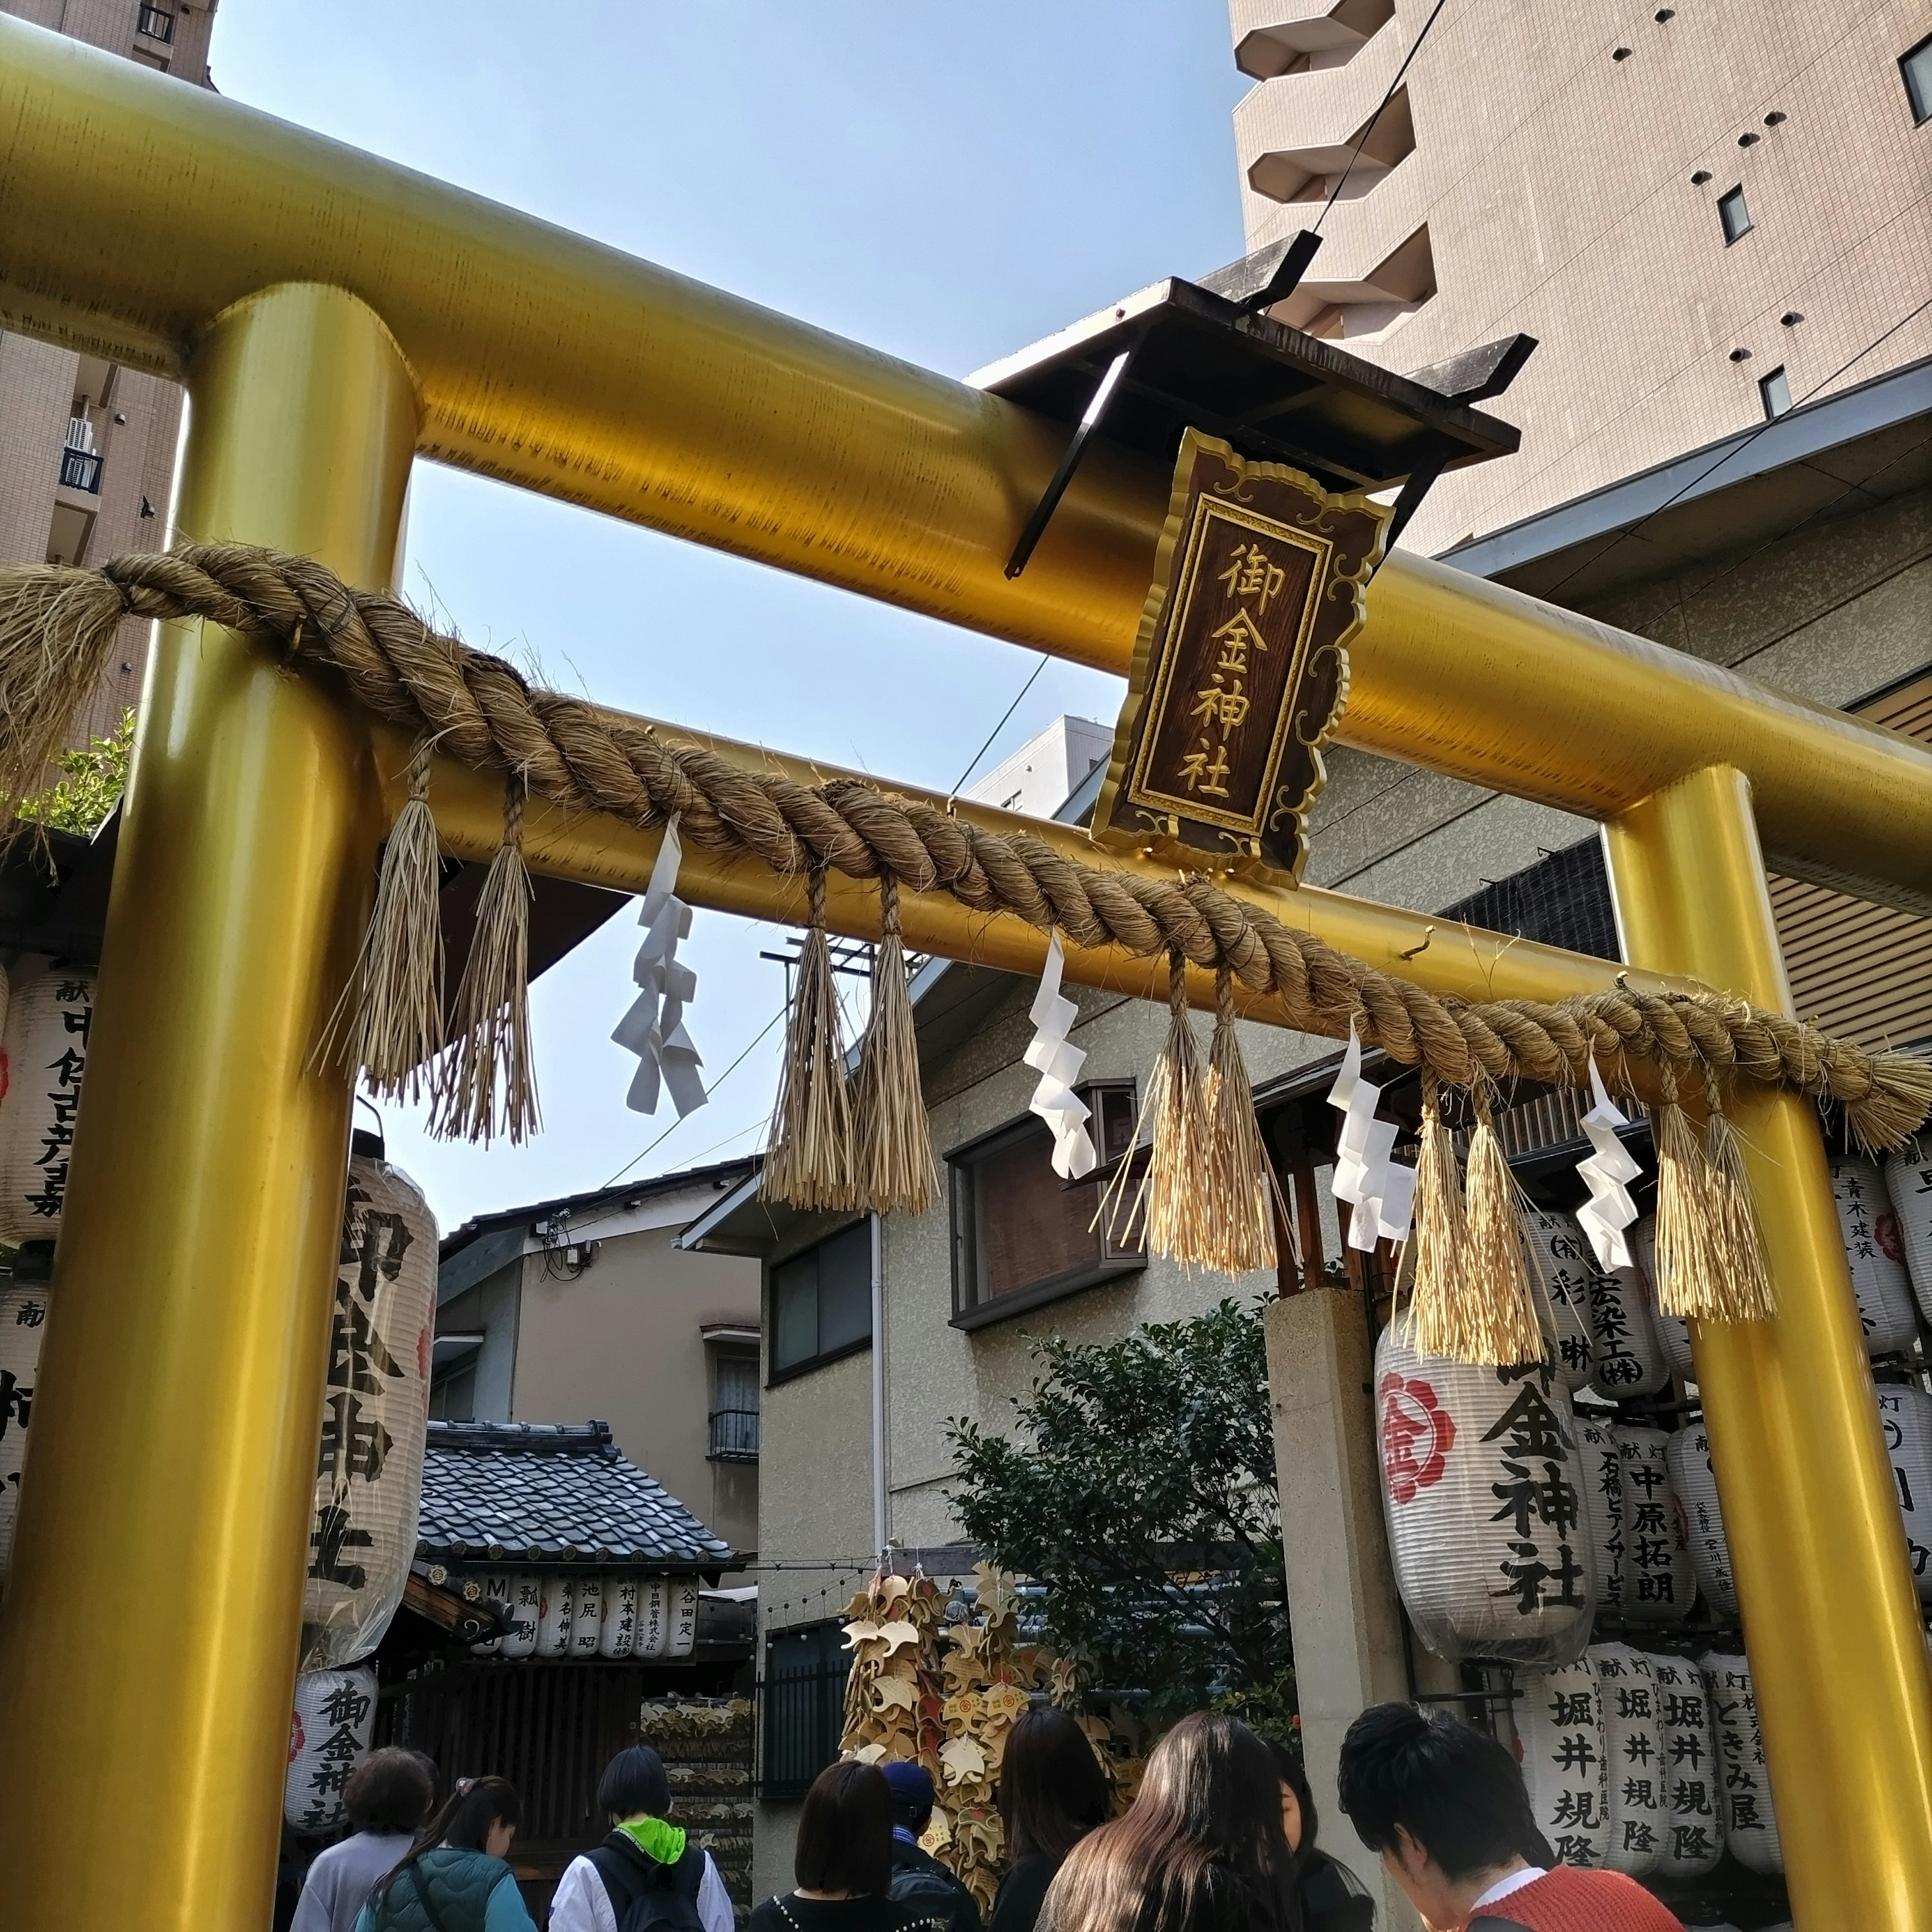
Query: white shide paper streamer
654, 1028
1607, 1171
1381, 1192
1058, 1065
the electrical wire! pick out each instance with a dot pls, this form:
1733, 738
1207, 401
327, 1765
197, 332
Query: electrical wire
1002, 724
1368, 127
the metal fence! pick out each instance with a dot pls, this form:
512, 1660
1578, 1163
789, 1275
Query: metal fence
157, 23
80, 469
734, 1435
801, 1706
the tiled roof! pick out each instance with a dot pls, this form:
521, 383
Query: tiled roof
531, 1492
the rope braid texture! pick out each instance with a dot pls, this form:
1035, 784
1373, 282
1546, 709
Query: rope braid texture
479, 710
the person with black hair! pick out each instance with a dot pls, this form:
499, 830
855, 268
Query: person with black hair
1331, 1899
647, 1872
387, 1796
1446, 1808
1200, 1850
843, 1862
919, 1879
454, 1877
1052, 1793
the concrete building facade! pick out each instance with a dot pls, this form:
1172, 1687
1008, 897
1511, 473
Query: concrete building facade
87, 447
585, 1309
1735, 198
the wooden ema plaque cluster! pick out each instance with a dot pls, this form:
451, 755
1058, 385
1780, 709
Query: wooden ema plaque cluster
1240, 669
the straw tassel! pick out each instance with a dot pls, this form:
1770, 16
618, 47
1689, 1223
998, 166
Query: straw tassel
389, 1021
1686, 1267
1240, 1183
488, 1084
894, 1172
810, 1161
1500, 1324
1437, 1297
1742, 1284
1172, 1195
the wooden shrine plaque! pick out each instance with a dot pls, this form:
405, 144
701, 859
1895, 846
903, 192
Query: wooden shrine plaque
1241, 668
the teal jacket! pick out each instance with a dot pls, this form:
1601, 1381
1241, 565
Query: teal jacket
471, 1892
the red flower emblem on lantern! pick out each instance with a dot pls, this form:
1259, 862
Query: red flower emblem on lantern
1417, 1434
298, 1737
1886, 1228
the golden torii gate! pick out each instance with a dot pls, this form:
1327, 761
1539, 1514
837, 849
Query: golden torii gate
334, 317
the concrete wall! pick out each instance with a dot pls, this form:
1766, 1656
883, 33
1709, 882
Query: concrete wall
1555, 183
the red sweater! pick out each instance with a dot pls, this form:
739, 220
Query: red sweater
1564, 1900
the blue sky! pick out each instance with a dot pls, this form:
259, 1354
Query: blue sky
945, 183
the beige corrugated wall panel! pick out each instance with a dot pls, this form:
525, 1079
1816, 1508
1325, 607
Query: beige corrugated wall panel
1861, 970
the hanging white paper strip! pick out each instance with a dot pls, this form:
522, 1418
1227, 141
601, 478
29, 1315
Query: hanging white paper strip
1058, 1065
1382, 1193
1607, 1171
654, 1028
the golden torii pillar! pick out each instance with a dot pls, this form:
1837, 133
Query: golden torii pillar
330, 312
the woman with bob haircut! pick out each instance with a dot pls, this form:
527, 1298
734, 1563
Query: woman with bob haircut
1201, 1850
644, 1853
1332, 1899
1052, 1793
387, 1795
454, 1878
843, 1860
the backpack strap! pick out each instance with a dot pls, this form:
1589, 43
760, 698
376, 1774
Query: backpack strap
621, 1879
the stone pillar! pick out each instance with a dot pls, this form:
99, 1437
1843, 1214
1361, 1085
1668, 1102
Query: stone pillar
1341, 1592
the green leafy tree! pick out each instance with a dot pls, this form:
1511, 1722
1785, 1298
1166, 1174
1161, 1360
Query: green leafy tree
92, 779
1138, 1487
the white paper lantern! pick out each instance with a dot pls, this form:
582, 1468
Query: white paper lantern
1480, 1484
587, 1621
1877, 1254
1559, 1726
368, 1483
1694, 1794
1750, 1824
1908, 1184
1905, 1414
559, 1598
1659, 1580
499, 1588
618, 1634
328, 1737
23, 1315
683, 1618
1560, 1269
1630, 1359
48, 1020
653, 1624
1673, 1332
1602, 1487
1695, 1483
1634, 1748
526, 1606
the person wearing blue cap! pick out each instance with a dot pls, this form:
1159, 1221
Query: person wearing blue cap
919, 1879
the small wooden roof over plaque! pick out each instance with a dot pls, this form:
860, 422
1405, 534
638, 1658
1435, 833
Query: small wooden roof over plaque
1241, 667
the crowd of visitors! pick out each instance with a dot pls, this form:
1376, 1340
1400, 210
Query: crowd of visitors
1221, 1837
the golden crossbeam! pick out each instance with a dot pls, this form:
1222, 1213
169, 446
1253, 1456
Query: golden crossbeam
139, 208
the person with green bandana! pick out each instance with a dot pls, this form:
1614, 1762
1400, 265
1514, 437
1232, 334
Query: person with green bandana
646, 1873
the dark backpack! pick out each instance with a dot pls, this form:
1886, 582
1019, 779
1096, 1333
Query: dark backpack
645, 1894
926, 1888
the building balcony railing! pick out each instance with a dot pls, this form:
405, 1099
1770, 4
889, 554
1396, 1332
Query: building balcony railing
734, 1435
80, 469
157, 23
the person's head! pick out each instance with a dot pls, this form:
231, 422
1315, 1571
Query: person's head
388, 1792
911, 1787
1052, 1789
1444, 1805
845, 1832
480, 1814
633, 1785
1202, 1843
1298, 1816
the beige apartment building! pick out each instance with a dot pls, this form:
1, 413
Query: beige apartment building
1704, 213
87, 447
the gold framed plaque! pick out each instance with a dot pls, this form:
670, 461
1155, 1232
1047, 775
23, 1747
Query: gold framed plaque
1240, 669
